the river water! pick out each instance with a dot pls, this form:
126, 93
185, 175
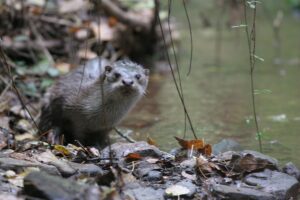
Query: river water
218, 98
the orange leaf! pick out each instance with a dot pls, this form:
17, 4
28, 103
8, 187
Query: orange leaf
207, 150
112, 21
189, 144
36, 10
151, 141
74, 29
133, 156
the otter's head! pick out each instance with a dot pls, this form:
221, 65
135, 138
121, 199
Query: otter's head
126, 78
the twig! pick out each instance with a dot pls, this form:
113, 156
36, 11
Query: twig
174, 79
176, 63
129, 139
251, 39
8, 69
86, 150
191, 36
40, 42
5, 90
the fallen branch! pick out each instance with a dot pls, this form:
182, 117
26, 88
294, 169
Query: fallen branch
127, 18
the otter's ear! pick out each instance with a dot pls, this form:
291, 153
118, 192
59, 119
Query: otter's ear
108, 68
147, 72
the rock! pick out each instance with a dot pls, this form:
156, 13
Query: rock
236, 193
153, 175
17, 165
247, 161
42, 185
190, 163
87, 169
144, 193
7, 196
226, 145
273, 163
291, 170
49, 158
177, 191
6, 187
188, 184
148, 172
121, 150
280, 185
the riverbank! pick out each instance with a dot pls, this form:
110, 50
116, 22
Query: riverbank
142, 171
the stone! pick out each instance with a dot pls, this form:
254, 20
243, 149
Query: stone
189, 163
234, 192
148, 171
153, 175
120, 150
7, 196
273, 163
87, 169
144, 193
226, 145
188, 184
280, 185
19, 165
291, 170
45, 186
49, 158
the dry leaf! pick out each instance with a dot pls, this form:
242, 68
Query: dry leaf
103, 31
63, 67
191, 144
152, 160
112, 21
24, 136
207, 150
204, 167
151, 141
86, 54
62, 150
249, 163
133, 156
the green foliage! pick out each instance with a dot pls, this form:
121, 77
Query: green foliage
293, 2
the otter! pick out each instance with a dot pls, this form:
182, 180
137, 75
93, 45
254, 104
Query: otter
88, 102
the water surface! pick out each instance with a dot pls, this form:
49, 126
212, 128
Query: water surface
218, 98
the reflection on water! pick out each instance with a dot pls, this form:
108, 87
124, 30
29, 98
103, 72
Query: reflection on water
218, 99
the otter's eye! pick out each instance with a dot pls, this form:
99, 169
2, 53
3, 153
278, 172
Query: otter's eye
117, 75
138, 76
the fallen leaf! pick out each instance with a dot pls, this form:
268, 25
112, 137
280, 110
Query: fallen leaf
112, 21
249, 163
86, 54
152, 160
24, 136
103, 31
177, 190
151, 141
63, 150
191, 144
94, 151
133, 156
207, 150
35, 10
204, 166
63, 67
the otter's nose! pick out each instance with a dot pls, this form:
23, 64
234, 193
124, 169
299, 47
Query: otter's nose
127, 82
